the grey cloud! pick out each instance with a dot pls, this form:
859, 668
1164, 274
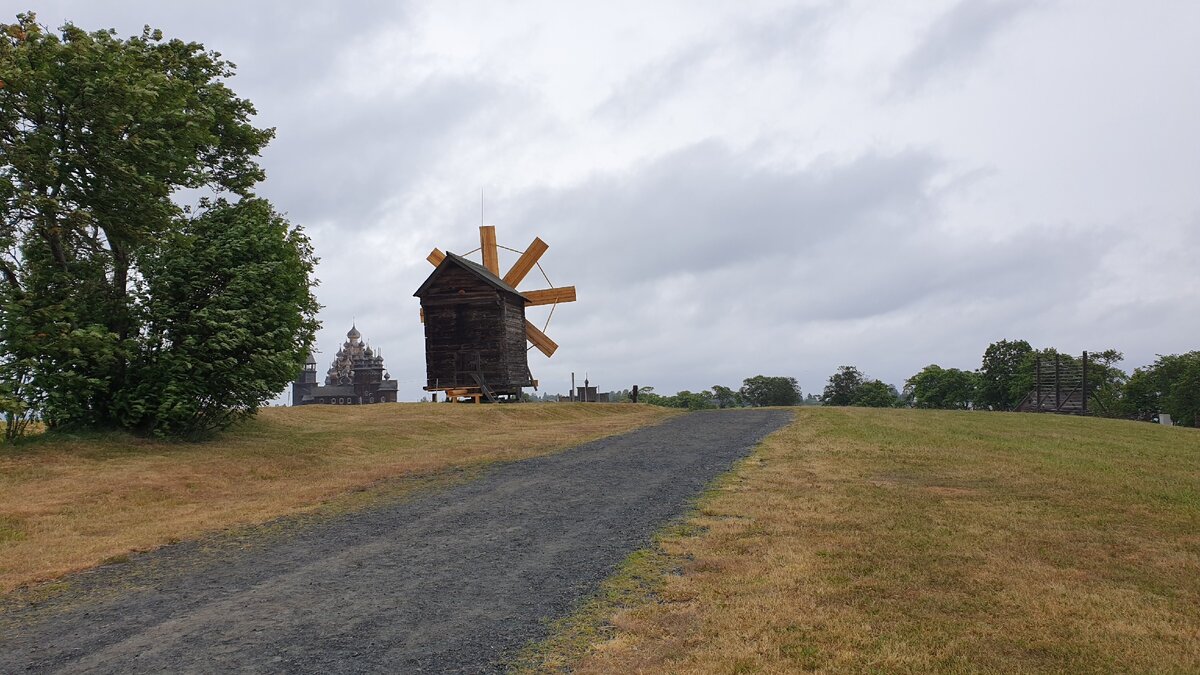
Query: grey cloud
644, 90
955, 40
278, 45
703, 208
717, 253
336, 160
796, 29
336, 157
755, 42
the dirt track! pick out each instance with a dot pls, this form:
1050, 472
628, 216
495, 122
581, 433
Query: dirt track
455, 581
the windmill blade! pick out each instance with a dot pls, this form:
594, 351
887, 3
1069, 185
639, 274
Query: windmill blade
549, 296
526, 262
540, 339
436, 257
487, 244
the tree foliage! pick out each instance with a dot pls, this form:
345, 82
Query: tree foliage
843, 386
725, 397
222, 326
874, 394
947, 388
98, 136
998, 376
762, 390
1171, 385
685, 399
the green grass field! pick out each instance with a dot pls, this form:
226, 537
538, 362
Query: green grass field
861, 540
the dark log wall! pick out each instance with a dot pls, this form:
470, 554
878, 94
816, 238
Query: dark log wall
468, 329
515, 342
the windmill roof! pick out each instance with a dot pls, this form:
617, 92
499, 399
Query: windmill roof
475, 268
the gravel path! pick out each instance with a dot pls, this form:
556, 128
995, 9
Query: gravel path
455, 581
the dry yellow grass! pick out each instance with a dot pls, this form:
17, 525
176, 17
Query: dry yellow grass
71, 503
918, 541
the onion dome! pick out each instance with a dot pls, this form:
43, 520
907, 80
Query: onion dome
353, 334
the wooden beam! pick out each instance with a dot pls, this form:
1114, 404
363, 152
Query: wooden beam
539, 339
422, 315
549, 296
436, 257
526, 262
487, 244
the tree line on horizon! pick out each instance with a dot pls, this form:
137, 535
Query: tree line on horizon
1005, 377
1007, 374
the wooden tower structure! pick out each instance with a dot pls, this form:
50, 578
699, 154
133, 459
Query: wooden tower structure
476, 327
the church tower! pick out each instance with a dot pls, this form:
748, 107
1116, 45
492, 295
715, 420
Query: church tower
305, 381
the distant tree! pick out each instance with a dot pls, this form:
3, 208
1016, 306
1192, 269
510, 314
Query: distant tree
762, 390
685, 399
1170, 385
725, 397
843, 386
701, 400
998, 376
1106, 383
937, 387
875, 394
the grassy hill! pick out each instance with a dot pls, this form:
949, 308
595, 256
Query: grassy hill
861, 540
68, 503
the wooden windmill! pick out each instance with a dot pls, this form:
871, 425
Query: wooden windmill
475, 325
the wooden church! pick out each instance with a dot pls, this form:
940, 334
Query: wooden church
475, 332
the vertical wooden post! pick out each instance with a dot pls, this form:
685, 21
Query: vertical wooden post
487, 244
1057, 383
1084, 385
572, 387
1037, 380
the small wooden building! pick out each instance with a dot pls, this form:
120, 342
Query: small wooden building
475, 339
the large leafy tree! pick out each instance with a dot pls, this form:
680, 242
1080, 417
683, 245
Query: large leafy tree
875, 394
725, 397
937, 387
221, 303
1170, 385
762, 390
99, 136
999, 375
843, 386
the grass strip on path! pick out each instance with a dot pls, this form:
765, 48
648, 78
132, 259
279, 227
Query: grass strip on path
861, 540
69, 503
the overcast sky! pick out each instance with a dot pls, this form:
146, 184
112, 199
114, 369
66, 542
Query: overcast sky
736, 188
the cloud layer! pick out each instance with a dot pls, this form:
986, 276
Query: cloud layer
776, 188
